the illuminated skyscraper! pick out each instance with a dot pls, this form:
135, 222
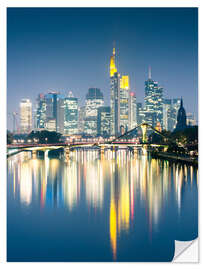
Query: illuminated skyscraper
167, 105
104, 121
81, 119
54, 112
94, 100
153, 102
41, 112
133, 121
140, 113
71, 115
115, 96
124, 102
25, 116
191, 119
120, 89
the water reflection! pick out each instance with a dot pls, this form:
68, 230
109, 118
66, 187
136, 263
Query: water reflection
127, 191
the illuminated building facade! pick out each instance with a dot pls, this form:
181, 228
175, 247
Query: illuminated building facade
132, 111
40, 112
124, 102
119, 103
103, 121
70, 115
115, 96
153, 102
81, 119
94, 100
55, 111
140, 113
25, 116
191, 120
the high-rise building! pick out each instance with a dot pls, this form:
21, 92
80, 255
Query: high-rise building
119, 103
70, 115
60, 114
124, 102
153, 102
167, 105
55, 111
115, 96
81, 119
41, 112
133, 121
104, 121
140, 113
191, 119
25, 116
94, 100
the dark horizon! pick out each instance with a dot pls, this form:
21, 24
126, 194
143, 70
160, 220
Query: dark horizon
68, 49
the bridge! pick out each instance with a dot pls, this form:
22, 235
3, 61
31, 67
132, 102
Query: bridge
119, 141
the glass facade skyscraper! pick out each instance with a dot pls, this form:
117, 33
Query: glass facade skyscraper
25, 116
153, 102
124, 102
41, 112
94, 100
103, 121
133, 121
54, 112
70, 115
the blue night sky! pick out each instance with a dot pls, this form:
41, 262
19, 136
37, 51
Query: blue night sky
65, 49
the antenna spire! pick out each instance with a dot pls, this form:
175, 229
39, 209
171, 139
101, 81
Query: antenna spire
150, 72
114, 49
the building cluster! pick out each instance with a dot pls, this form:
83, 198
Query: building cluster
60, 113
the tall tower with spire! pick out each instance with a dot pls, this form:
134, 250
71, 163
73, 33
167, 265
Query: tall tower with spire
181, 118
153, 102
115, 95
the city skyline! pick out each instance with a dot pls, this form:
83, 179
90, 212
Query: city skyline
97, 75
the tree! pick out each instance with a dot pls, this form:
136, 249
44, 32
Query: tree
44, 136
9, 137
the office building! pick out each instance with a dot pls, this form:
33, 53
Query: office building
153, 102
124, 102
94, 100
70, 115
104, 121
55, 111
25, 116
40, 112
133, 121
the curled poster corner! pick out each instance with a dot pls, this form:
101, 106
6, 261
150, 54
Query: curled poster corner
186, 251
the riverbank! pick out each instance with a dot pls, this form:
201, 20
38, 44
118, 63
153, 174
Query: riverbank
173, 157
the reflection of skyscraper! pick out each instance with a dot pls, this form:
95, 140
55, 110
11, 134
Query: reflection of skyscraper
71, 114
25, 116
94, 100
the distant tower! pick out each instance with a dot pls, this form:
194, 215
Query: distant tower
181, 118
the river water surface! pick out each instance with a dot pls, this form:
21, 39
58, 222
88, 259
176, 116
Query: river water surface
116, 207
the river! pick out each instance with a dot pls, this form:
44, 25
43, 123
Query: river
93, 208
